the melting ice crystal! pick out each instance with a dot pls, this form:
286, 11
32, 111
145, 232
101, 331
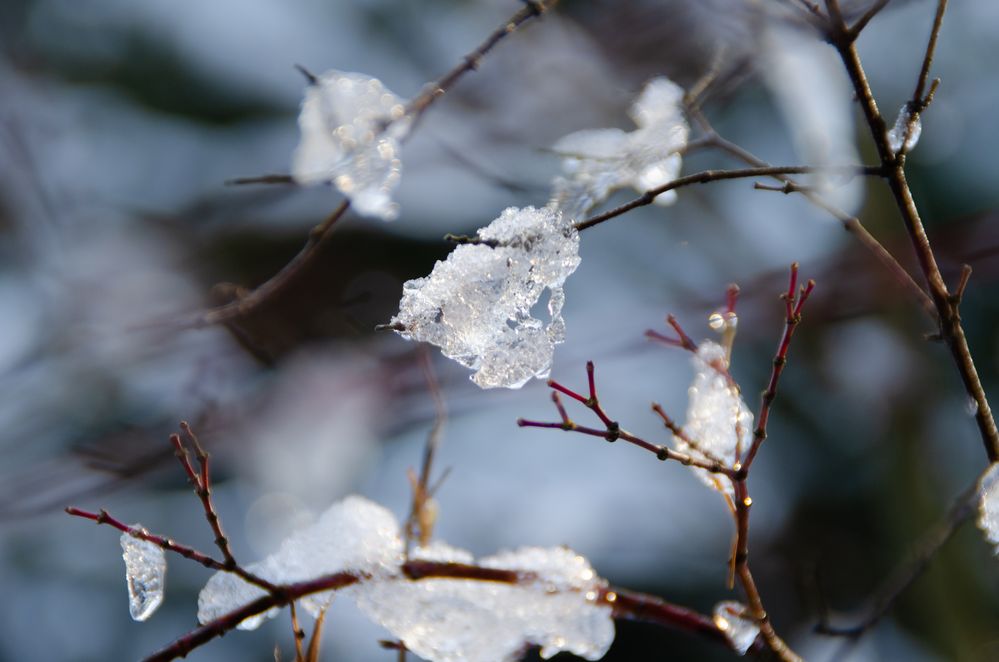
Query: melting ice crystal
351, 131
897, 133
740, 630
718, 421
988, 505
598, 161
477, 304
448, 620
442, 620
145, 572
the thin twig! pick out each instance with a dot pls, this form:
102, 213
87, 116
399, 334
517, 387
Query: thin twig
203, 488
707, 176
951, 329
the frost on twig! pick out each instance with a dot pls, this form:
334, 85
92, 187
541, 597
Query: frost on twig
988, 505
902, 133
719, 426
145, 573
477, 304
351, 131
598, 161
440, 619
741, 631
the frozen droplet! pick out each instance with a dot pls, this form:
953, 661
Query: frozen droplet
145, 573
971, 406
477, 304
596, 162
740, 630
897, 133
988, 505
719, 424
446, 620
716, 321
352, 128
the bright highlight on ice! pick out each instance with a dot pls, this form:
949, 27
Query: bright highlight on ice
741, 632
988, 505
478, 304
145, 573
351, 131
442, 620
718, 421
897, 133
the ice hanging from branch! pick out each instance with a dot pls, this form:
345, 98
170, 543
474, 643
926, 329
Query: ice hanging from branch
477, 304
598, 161
351, 128
555, 604
719, 426
145, 573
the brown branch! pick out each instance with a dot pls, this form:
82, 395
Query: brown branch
951, 330
707, 176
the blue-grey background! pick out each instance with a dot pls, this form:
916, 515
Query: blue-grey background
120, 121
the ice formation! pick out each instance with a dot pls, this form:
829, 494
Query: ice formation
446, 620
351, 132
555, 605
988, 505
718, 421
731, 619
354, 534
145, 572
897, 133
598, 161
477, 304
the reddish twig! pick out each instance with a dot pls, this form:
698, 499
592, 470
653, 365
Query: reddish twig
202, 486
682, 340
794, 301
612, 429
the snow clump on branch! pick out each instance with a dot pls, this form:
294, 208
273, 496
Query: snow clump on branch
352, 127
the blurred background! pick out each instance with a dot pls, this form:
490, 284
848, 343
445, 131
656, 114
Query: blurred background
120, 123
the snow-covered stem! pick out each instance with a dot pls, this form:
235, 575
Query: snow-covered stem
706, 176
946, 304
103, 517
202, 483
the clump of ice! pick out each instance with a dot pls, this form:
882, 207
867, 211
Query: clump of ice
446, 620
897, 133
145, 573
354, 535
598, 161
741, 631
718, 422
988, 505
554, 605
351, 131
477, 304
